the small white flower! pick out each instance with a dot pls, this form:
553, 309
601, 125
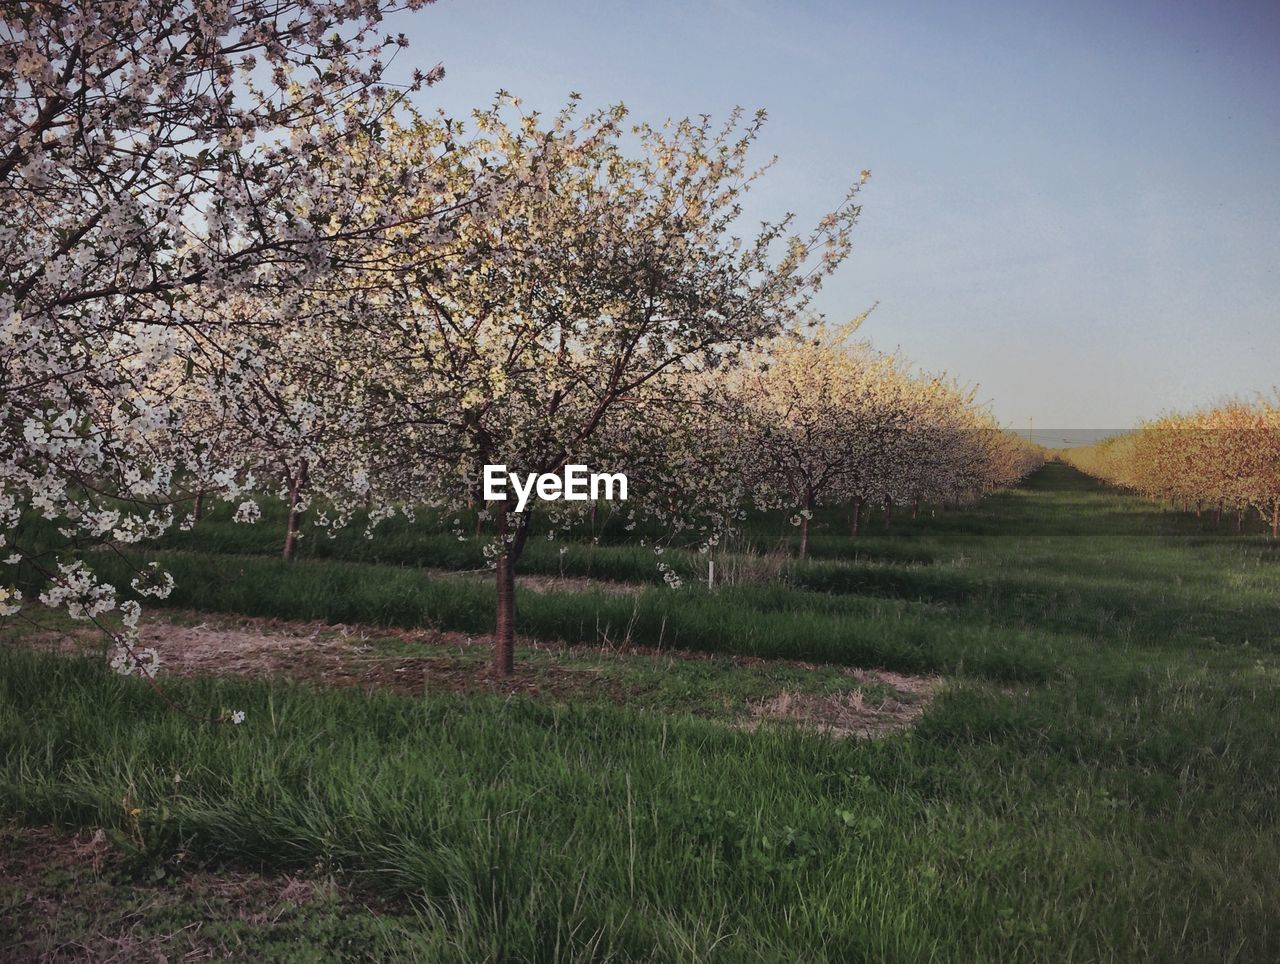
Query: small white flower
145, 662
237, 717
121, 662
148, 662
248, 512
153, 581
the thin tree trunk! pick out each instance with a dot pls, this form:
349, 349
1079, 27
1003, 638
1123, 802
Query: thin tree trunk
888, 513
1217, 515
197, 511
504, 644
1275, 520
1239, 520
291, 526
855, 519
915, 507
504, 640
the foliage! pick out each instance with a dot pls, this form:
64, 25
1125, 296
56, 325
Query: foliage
1226, 457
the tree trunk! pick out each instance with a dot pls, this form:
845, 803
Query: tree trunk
888, 513
1217, 515
915, 507
291, 526
504, 642
855, 518
504, 639
1275, 520
1197, 508
804, 525
1239, 520
197, 511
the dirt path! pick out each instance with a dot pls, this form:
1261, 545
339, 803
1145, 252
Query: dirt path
838, 701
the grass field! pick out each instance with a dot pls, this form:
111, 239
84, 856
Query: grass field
1095, 779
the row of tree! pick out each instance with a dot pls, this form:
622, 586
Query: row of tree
825, 421
1224, 458
234, 258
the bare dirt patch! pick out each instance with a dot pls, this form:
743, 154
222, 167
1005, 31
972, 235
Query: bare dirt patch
426, 661
535, 582
853, 713
336, 655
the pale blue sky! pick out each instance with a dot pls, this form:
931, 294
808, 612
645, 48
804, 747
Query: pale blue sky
1073, 204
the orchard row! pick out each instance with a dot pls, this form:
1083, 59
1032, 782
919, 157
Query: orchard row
236, 260
1225, 458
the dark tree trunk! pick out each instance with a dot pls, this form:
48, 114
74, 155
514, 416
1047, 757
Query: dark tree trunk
504, 641
1217, 515
804, 525
197, 510
1275, 520
296, 485
1197, 508
855, 518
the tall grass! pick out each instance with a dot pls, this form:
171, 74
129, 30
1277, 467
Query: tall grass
1132, 820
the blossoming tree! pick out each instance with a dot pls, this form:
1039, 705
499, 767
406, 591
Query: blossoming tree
811, 415
575, 309
1227, 455
144, 150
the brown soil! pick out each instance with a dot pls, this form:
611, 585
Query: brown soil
337, 655
852, 714
533, 582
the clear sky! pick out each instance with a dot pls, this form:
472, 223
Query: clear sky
1075, 205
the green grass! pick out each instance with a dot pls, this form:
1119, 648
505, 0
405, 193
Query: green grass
97, 903
1098, 782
